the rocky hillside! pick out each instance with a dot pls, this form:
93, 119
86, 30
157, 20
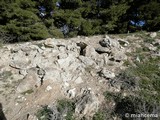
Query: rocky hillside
54, 71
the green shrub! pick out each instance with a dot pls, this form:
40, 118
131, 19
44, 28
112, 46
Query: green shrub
44, 113
99, 116
86, 28
56, 33
146, 99
66, 107
38, 31
73, 34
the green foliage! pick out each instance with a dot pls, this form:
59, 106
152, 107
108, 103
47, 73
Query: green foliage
151, 12
44, 113
22, 20
38, 31
56, 33
66, 107
141, 85
99, 116
73, 34
115, 13
86, 28
63, 110
71, 4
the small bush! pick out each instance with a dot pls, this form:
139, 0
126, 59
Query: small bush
86, 28
73, 34
99, 116
66, 108
44, 113
56, 33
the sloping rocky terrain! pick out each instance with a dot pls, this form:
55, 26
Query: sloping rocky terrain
39, 73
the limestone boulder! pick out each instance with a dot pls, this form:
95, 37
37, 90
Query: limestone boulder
153, 34
52, 74
89, 51
102, 50
106, 74
87, 104
29, 82
87, 61
109, 43
50, 42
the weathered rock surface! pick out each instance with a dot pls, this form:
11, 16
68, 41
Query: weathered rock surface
55, 68
87, 104
106, 74
153, 34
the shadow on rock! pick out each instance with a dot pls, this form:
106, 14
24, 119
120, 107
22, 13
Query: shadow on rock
2, 116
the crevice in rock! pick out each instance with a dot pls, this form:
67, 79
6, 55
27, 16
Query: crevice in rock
102, 52
82, 46
60, 45
114, 60
41, 74
42, 78
118, 61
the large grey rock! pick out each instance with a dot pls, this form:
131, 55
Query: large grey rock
71, 93
87, 104
66, 62
28, 48
100, 62
105, 43
118, 55
79, 80
52, 74
67, 76
19, 64
108, 42
50, 42
102, 50
23, 72
153, 34
87, 61
62, 55
54, 43
20, 60
89, 51
29, 82
106, 74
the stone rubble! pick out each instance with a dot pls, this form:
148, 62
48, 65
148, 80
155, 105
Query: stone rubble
74, 64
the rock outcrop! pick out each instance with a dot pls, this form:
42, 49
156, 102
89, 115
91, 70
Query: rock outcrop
54, 68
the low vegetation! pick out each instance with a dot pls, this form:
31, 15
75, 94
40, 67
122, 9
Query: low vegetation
141, 85
63, 110
44, 113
